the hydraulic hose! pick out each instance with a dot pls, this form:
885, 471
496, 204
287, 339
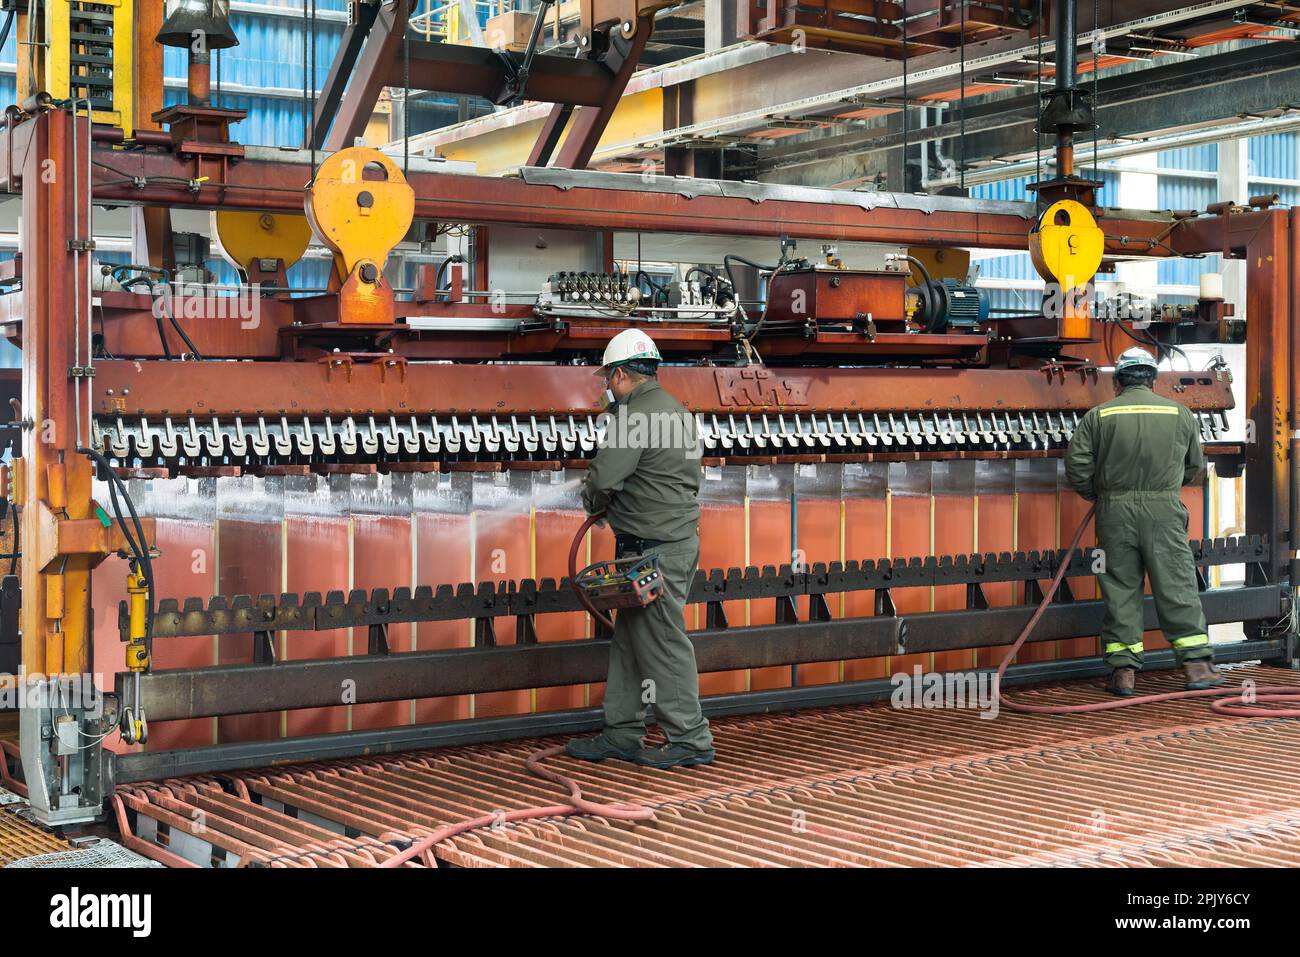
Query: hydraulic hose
731, 277
442, 269
577, 805
1276, 694
930, 286
595, 613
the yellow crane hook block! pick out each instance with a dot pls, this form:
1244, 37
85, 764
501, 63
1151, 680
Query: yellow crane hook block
1067, 245
360, 206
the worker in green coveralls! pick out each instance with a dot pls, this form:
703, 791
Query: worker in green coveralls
646, 479
1131, 456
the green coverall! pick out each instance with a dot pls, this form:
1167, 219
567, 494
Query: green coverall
646, 478
1131, 455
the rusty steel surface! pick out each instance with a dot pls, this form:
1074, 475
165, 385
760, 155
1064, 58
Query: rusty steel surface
1168, 785
477, 71
150, 177
134, 387
54, 478
842, 25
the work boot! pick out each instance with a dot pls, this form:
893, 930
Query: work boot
673, 756
1122, 682
1202, 674
598, 748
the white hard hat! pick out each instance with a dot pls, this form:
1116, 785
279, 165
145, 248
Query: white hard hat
1135, 358
628, 345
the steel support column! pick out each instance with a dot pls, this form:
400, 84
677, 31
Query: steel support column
53, 479
1265, 240
341, 70
1269, 365
588, 123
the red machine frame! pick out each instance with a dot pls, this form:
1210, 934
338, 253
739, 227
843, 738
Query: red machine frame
53, 482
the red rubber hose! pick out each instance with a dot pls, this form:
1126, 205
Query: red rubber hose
573, 571
1277, 694
1280, 694
577, 805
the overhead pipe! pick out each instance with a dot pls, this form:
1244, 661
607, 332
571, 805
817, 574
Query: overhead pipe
1067, 32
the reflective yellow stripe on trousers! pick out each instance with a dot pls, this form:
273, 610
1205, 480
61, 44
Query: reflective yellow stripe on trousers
1191, 641
1112, 647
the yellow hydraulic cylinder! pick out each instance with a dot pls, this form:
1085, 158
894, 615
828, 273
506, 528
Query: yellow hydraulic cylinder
137, 650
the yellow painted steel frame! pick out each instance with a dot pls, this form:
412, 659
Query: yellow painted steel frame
58, 59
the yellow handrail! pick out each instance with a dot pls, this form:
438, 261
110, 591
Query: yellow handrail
442, 19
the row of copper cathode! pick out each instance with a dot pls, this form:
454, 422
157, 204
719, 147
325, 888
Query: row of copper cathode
231, 536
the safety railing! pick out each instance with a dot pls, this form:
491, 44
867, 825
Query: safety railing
447, 21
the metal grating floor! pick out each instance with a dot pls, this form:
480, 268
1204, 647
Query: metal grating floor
1164, 785
92, 854
21, 837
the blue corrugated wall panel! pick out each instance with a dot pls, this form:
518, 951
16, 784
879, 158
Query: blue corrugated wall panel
1287, 195
270, 54
9, 55
1011, 265
322, 6
304, 274
1275, 156
270, 57
270, 122
1186, 192
1203, 158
